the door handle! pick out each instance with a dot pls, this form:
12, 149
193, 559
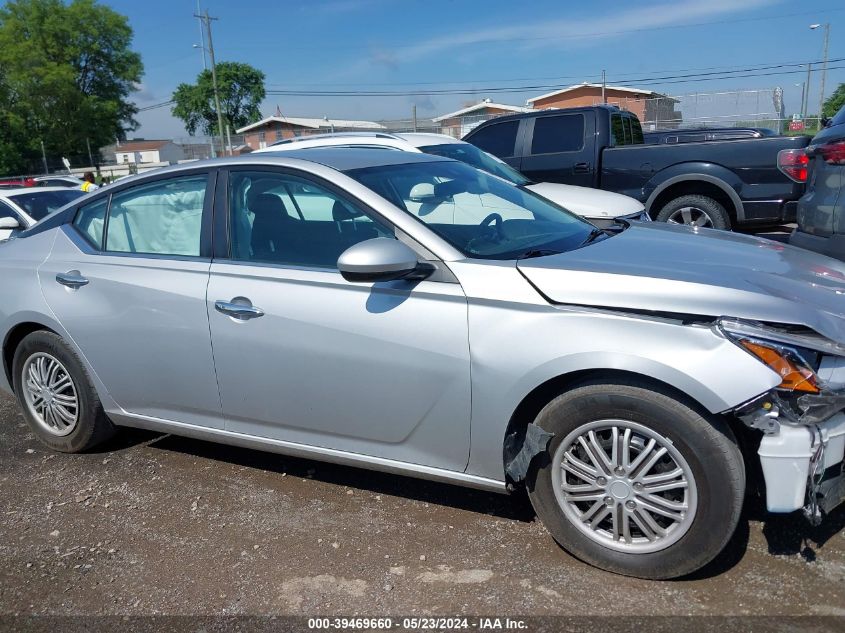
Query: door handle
72, 279
238, 310
581, 168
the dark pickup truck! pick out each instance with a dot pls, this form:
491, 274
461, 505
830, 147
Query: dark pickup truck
719, 184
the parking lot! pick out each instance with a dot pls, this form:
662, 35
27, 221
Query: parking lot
157, 524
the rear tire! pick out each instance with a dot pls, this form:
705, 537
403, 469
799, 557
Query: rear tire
57, 396
695, 210
704, 497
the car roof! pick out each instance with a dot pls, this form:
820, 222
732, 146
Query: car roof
57, 177
346, 158
421, 139
11, 193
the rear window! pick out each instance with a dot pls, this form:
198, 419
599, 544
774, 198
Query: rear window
553, 134
498, 139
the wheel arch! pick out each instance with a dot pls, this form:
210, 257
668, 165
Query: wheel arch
722, 187
14, 337
530, 406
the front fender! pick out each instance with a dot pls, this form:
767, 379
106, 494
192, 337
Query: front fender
543, 345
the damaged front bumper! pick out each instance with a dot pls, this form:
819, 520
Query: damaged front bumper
802, 451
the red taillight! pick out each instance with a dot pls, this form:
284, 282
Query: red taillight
793, 162
832, 153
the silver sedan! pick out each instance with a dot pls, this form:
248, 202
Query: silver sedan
410, 314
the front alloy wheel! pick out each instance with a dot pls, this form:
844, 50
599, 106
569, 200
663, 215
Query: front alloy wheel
624, 485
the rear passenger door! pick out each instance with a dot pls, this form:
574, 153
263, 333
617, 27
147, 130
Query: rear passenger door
560, 148
304, 356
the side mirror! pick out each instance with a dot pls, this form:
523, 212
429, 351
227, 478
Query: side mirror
378, 259
422, 192
9, 223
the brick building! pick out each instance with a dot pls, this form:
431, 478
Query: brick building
275, 128
653, 109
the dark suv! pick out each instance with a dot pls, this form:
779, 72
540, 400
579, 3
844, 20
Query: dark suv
821, 210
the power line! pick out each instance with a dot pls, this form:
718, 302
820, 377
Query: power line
157, 105
669, 79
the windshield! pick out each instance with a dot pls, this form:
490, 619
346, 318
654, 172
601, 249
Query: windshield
39, 204
480, 215
479, 159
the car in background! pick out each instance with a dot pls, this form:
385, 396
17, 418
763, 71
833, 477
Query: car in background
697, 135
58, 181
16, 183
343, 305
821, 211
21, 208
602, 208
714, 184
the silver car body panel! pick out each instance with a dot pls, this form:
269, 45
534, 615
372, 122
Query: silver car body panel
353, 367
133, 303
656, 267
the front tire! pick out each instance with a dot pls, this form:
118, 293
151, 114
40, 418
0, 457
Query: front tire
57, 396
636, 481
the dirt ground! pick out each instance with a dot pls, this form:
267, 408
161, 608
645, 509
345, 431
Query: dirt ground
156, 524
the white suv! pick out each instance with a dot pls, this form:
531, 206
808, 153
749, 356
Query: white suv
599, 207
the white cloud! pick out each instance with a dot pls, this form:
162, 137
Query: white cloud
567, 31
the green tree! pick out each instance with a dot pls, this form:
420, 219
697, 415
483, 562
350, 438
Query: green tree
834, 102
67, 73
241, 90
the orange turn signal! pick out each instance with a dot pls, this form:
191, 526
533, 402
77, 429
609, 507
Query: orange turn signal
793, 377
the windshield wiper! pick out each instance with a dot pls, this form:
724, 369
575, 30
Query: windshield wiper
538, 252
594, 235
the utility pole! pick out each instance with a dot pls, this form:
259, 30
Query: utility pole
44, 158
202, 37
806, 103
90, 157
603, 87
414, 115
824, 66
206, 19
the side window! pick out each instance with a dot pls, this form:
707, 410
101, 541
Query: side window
90, 220
284, 219
617, 132
498, 139
160, 218
636, 131
553, 134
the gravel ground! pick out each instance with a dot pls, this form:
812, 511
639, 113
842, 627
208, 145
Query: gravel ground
156, 524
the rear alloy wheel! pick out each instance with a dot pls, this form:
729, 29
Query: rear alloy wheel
57, 396
635, 481
696, 211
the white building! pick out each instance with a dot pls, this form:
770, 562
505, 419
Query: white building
143, 151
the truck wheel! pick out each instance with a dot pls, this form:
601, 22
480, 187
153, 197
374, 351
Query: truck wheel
637, 482
695, 210
56, 395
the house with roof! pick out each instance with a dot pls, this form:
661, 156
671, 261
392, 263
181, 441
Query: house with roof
148, 151
461, 121
653, 109
275, 128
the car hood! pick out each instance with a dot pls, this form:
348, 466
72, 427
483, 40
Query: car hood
586, 202
657, 267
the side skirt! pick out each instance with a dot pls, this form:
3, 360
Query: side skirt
308, 452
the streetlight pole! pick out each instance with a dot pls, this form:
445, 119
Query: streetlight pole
806, 101
207, 21
824, 66
803, 87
